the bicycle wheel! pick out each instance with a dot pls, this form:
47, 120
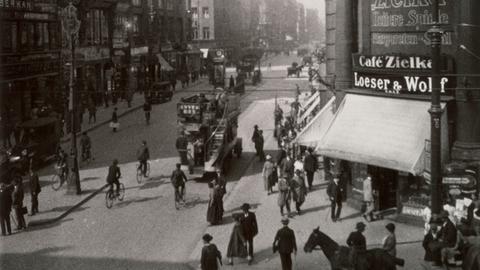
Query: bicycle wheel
139, 175
147, 172
109, 198
57, 182
121, 192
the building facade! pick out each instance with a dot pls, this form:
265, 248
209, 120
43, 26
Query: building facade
379, 69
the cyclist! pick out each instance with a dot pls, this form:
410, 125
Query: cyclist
85, 144
62, 163
178, 181
113, 176
147, 108
143, 155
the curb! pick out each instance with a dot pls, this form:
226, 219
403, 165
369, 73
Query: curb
71, 209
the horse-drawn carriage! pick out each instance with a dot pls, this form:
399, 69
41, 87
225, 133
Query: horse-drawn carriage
294, 70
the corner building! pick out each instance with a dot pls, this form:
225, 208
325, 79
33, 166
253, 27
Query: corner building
378, 58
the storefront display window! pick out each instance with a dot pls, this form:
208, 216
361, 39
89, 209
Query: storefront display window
414, 193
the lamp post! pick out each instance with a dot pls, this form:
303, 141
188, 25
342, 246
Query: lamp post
70, 27
435, 33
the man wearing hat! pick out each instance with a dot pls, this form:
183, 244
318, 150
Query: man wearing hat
310, 165
255, 137
358, 247
447, 239
285, 244
250, 229
335, 192
210, 254
268, 169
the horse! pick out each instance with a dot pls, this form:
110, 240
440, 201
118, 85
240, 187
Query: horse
294, 70
338, 256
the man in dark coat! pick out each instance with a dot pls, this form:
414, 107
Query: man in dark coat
5, 207
34, 190
250, 229
285, 244
310, 165
448, 238
18, 195
358, 245
335, 191
255, 137
181, 145
210, 254
143, 154
259, 143
113, 176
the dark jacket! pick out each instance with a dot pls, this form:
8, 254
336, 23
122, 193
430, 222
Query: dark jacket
143, 153
448, 234
310, 164
210, 255
285, 241
181, 143
259, 142
249, 225
334, 191
236, 245
114, 117
113, 173
6, 200
357, 240
178, 178
18, 195
35, 187
147, 107
255, 135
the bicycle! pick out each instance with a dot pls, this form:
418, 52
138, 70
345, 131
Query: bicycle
180, 198
111, 195
140, 174
59, 177
86, 155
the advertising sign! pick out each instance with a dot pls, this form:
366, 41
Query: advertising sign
400, 25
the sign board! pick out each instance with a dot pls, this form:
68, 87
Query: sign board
401, 25
457, 180
413, 211
139, 50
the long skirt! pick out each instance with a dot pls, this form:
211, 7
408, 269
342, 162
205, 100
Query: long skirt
215, 212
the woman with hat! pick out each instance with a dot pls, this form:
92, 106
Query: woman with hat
267, 173
358, 247
299, 190
390, 241
215, 203
237, 246
211, 256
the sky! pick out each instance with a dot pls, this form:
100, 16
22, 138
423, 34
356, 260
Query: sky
318, 4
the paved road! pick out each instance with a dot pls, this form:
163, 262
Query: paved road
144, 231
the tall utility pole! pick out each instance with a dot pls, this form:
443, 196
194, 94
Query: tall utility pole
435, 33
71, 26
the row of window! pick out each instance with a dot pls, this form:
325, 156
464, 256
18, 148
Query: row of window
205, 12
29, 36
96, 27
162, 4
205, 32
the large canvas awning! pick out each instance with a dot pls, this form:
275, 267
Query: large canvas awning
380, 131
311, 104
318, 126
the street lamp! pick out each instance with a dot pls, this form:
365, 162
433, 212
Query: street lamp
71, 26
435, 33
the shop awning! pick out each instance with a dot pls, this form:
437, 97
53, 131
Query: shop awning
379, 131
315, 130
312, 102
164, 65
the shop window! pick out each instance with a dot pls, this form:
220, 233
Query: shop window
195, 33
54, 35
414, 191
96, 27
206, 32
137, 2
104, 28
162, 4
194, 12
170, 4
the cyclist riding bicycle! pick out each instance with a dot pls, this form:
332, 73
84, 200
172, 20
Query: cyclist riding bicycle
143, 155
113, 176
85, 144
147, 108
62, 163
178, 181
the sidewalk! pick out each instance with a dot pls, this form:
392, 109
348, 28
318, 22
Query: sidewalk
56, 205
316, 213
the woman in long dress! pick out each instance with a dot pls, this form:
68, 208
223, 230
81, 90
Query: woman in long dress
237, 246
215, 204
268, 168
299, 190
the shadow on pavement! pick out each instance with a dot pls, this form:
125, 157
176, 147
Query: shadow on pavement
138, 200
352, 216
49, 259
66, 208
42, 227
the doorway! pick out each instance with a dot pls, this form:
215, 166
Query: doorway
384, 181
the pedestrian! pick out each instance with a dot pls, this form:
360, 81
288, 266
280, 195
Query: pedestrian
390, 241
286, 167
35, 189
368, 198
232, 82
237, 246
310, 165
143, 154
181, 144
267, 173
283, 195
211, 257
92, 112
447, 239
358, 247
114, 124
299, 190
259, 143
250, 229
215, 203
254, 138
113, 176
433, 234
198, 151
5, 207
147, 109
335, 194
285, 244
18, 195
173, 82
298, 164
85, 145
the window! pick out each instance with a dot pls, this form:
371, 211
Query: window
206, 32
7, 39
137, 2
96, 28
205, 12
169, 4
195, 32
135, 25
194, 12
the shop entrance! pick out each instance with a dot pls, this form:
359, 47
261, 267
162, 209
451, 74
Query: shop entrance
385, 183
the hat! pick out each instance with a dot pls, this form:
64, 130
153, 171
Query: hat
360, 225
390, 227
256, 126
268, 157
207, 237
245, 206
285, 220
444, 214
435, 219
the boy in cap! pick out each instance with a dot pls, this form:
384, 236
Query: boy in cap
285, 244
